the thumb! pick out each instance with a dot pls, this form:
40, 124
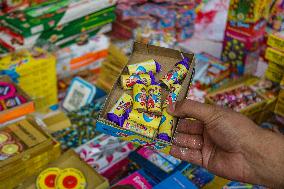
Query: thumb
192, 109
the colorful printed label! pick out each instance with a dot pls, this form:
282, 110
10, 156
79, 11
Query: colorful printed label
143, 67
128, 81
154, 101
138, 128
140, 97
123, 104
149, 120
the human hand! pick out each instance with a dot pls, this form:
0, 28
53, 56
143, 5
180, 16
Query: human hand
227, 143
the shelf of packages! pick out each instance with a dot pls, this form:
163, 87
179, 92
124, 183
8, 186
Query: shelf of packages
35, 20
38, 71
58, 35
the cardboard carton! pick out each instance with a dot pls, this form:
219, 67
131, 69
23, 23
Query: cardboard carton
141, 52
71, 160
39, 149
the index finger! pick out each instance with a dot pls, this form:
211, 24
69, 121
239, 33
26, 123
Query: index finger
192, 109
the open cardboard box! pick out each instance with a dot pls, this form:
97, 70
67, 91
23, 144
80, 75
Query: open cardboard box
18, 111
250, 110
39, 149
141, 52
71, 160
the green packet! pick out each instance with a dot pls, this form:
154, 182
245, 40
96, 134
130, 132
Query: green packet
44, 17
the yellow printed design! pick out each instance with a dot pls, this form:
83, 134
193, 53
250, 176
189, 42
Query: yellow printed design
71, 178
175, 76
166, 126
140, 97
149, 120
140, 129
173, 95
143, 67
123, 104
128, 81
154, 101
46, 179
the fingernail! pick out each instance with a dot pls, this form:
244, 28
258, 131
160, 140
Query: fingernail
171, 107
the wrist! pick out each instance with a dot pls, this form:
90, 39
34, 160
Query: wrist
264, 151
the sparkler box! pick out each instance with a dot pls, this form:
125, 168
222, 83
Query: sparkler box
248, 11
167, 58
241, 50
71, 160
36, 148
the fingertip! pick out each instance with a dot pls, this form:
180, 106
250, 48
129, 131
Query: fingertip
171, 108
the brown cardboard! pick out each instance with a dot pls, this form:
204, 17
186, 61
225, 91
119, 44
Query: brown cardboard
27, 133
57, 122
71, 160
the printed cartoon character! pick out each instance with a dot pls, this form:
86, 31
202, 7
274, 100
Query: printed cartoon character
124, 106
153, 98
173, 75
141, 70
132, 80
141, 97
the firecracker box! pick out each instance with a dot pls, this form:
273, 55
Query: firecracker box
178, 180
275, 56
41, 18
276, 41
13, 40
141, 52
156, 163
22, 109
274, 72
246, 109
248, 28
242, 51
279, 109
26, 149
111, 67
88, 177
34, 70
104, 151
56, 122
212, 71
276, 17
248, 11
9, 6
75, 57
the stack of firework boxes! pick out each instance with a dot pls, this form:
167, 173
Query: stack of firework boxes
244, 34
60, 23
275, 71
34, 70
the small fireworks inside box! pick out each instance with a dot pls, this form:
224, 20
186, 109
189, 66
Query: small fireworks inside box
24, 149
241, 98
167, 65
